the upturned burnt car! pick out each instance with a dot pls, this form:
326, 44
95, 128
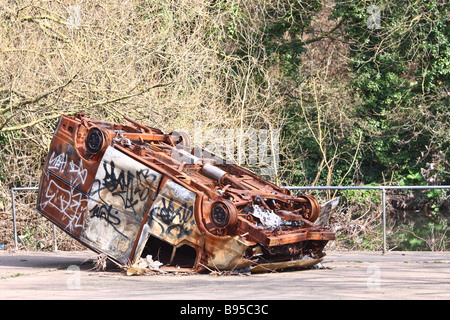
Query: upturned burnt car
127, 190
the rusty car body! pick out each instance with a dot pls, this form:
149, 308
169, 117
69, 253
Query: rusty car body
127, 190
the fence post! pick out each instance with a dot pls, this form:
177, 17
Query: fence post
55, 245
14, 218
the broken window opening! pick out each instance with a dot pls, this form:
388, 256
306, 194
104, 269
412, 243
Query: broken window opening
184, 256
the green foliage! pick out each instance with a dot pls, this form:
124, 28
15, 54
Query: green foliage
362, 196
276, 35
425, 233
401, 69
283, 33
412, 178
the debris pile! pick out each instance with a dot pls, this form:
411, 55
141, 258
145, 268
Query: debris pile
268, 218
145, 266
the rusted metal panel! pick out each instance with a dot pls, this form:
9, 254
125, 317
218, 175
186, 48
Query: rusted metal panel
122, 189
273, 266
65, 181
227, 254
63, 204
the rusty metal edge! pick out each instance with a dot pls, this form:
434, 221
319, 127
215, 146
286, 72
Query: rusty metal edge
274, 266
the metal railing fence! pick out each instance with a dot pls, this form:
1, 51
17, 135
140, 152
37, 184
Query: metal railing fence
383, 196
382, 188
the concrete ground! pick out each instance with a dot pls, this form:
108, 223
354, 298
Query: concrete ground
344, 276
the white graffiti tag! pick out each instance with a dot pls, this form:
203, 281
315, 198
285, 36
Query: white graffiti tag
68, 202
78, 174
75, 173
57, 162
